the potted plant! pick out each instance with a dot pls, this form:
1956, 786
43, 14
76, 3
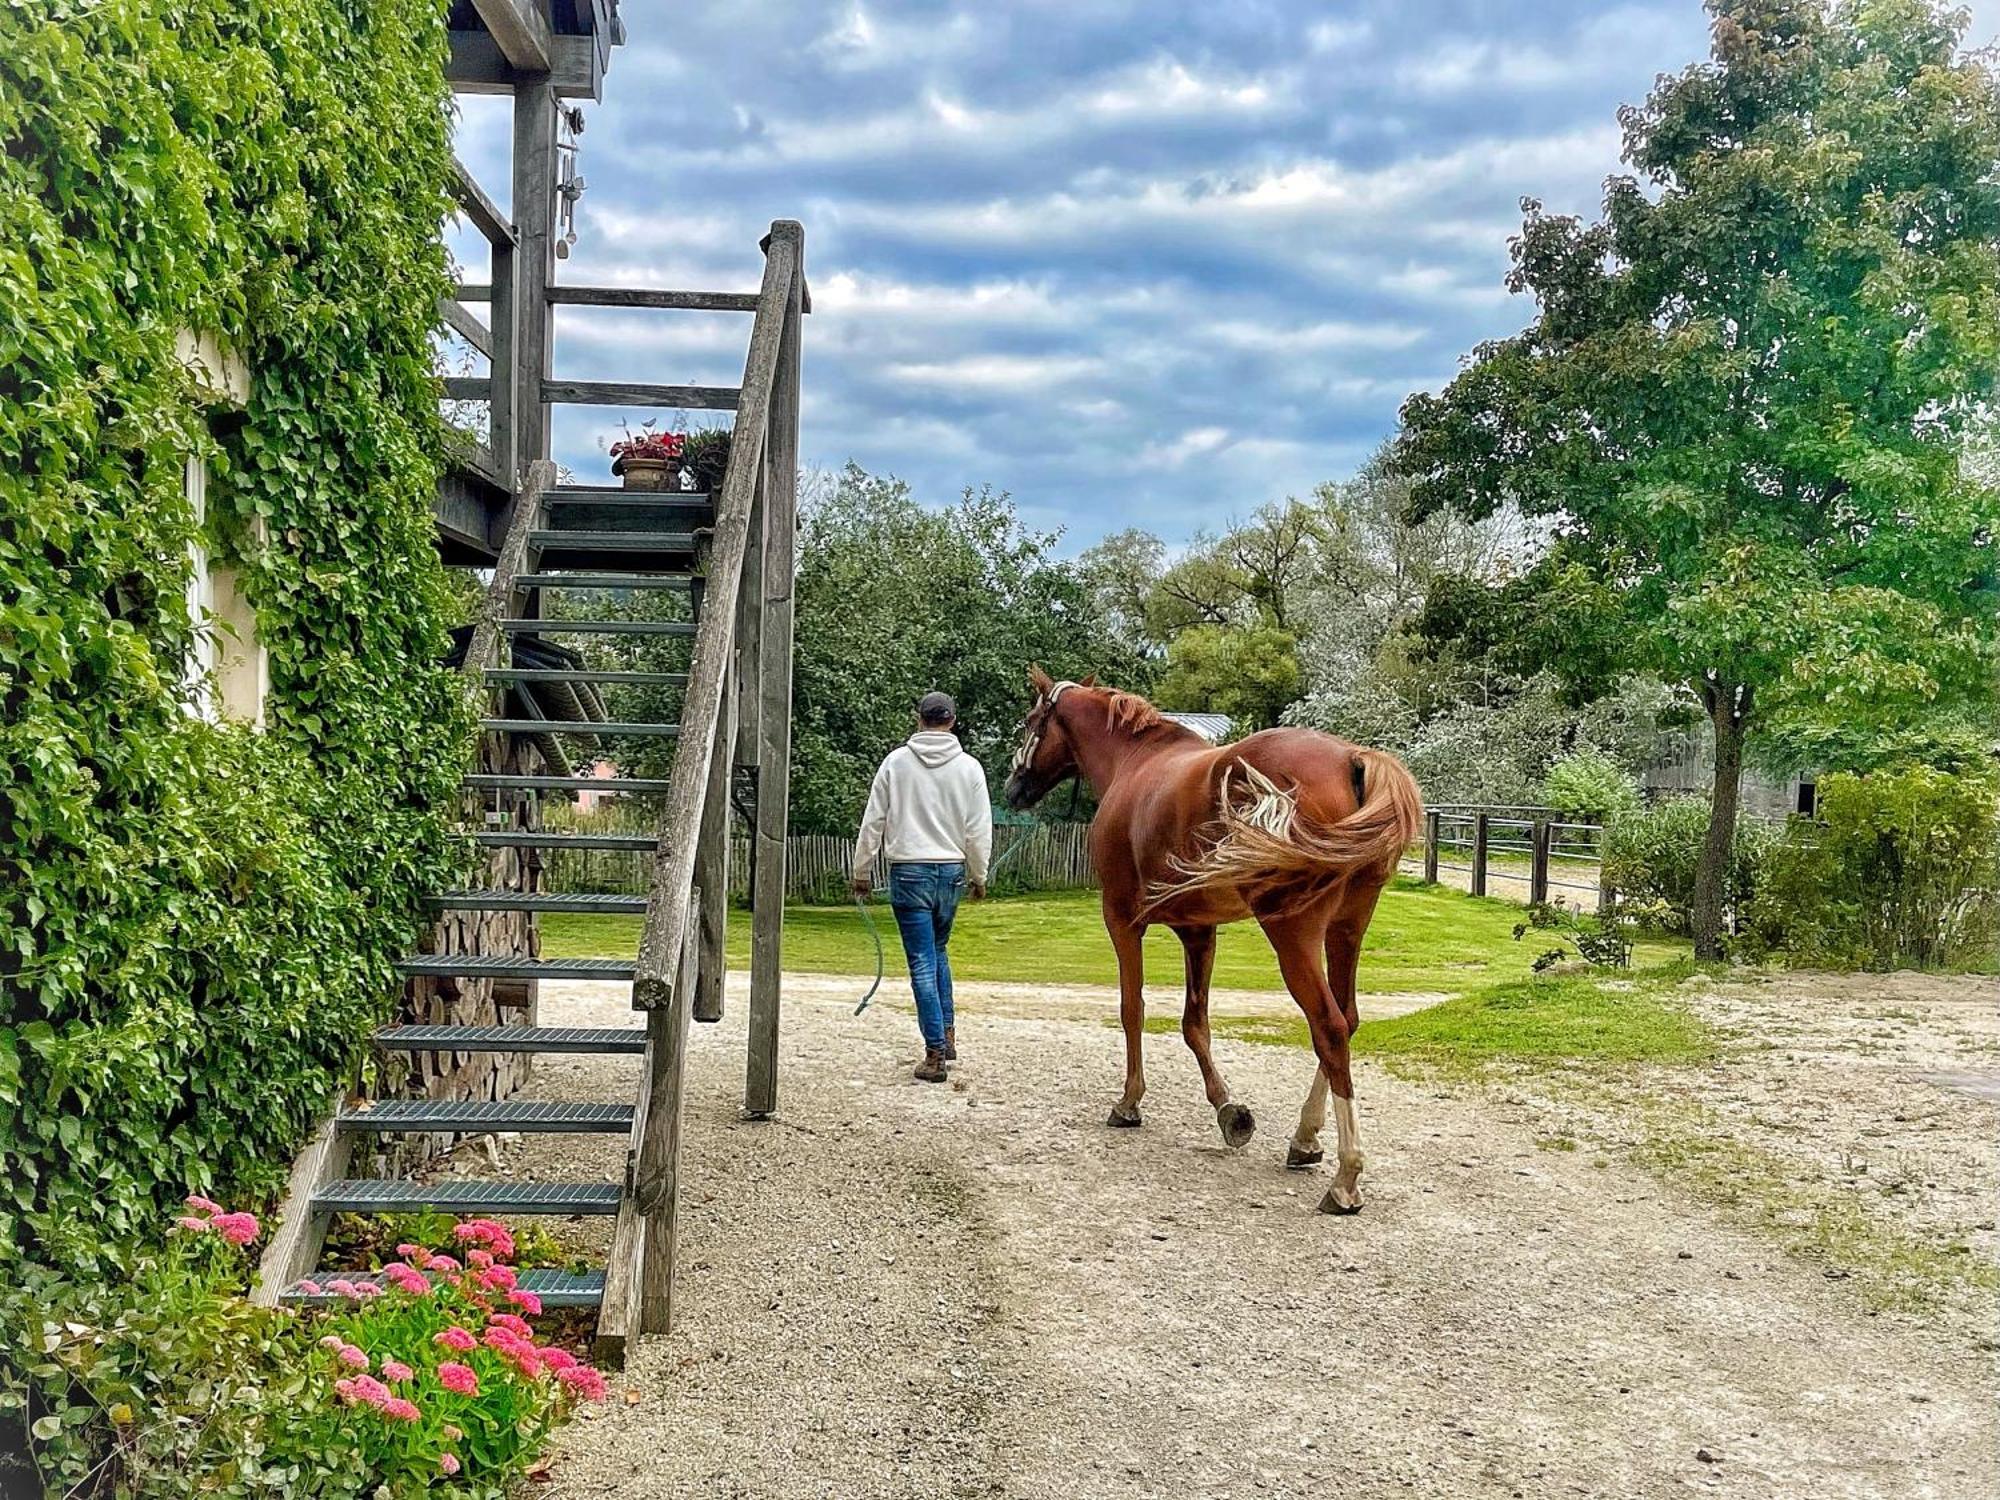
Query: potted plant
648, 460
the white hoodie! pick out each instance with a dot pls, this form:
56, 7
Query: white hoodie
928, 805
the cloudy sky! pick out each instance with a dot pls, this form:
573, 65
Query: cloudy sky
1138, 262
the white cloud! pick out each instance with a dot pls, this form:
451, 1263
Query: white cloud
1182, 448
986, 373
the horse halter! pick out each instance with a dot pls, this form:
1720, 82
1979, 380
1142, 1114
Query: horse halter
1024, 755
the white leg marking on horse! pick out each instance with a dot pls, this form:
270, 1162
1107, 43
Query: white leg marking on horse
1313, 1116
1346, 1191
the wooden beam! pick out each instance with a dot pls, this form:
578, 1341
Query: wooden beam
534, 265
634, 296
711, 871
477, 66
479, 208
475, 291
467, 388
521, 31
620, 393
467, 327
295, 1244
660, 1153
774, 727
483, 651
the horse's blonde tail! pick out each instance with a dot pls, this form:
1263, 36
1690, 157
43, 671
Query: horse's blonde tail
1266, 848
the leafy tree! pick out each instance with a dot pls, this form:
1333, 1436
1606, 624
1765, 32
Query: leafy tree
1248, 672
1201, 588
1272, 554
1744, 399
1122, 573
894, 599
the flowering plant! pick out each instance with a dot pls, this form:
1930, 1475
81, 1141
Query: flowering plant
423, 1376
646, 443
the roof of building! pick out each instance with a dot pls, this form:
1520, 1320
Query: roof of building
1212, 727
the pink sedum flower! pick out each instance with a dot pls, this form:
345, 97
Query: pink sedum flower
365, 1388
333, 1341
345, 1390
512, 1324
448, 1464
238, 1228
309, 1288
528, 1302
192, 1225
201, 1205
367, 1289
395, 1371
396, 1409
412, 1253
456, 1338
441, 1263
479, 1260
559, 1359
585, 1381
458, 1379
406, 1279
352, 1357
343, 1287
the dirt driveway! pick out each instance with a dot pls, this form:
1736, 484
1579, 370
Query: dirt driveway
978, 1290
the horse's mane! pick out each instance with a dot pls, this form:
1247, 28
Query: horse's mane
1133, 714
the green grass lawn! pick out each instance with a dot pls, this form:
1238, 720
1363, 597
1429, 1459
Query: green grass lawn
1423, 938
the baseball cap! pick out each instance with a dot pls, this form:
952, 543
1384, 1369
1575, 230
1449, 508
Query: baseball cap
936, 708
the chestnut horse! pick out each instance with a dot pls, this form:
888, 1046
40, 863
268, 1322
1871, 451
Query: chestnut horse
1291, 827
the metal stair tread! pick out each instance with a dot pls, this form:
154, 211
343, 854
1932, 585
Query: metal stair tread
566, 901
477, 1116
587, 726
487, 781
598, 627
528, 839
553, 1286
585, 674
466, 1195
609, 1040
492, 966
584, 580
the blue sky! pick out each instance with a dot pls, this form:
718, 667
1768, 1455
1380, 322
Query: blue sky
1143, 264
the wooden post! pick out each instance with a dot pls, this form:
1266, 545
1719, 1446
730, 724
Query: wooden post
657, 1189
294, 1246
774, 737
504, 323
1479, 854
1430, 846
711, 871
1538, 861
1607, 894
749, 623
534, 210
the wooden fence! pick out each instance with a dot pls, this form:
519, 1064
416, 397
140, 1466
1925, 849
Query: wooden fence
1526, 853
1522, 853
1030, 857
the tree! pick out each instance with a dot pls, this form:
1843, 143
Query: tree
1248, 672
1744, 400
1271, 555
1122, 573
895, 598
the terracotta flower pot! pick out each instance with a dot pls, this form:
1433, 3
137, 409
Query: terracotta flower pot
649, 473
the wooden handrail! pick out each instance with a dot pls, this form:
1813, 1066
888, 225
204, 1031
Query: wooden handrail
481, 210
483, 650
662, 944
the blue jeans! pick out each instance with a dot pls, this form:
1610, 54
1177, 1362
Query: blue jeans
925, 899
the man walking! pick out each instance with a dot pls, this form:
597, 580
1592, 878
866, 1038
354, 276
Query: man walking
929, 810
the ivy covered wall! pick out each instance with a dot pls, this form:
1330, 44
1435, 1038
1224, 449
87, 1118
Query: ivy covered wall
198, 922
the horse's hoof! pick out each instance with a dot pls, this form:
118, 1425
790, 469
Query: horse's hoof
1297, 1160
1121, 1119
1237, 1124
1339, 1200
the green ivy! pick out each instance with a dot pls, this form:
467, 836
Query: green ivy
198, 923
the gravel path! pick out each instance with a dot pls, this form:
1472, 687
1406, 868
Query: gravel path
978, 1290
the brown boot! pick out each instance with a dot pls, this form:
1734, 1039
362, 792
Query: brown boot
931, 1069
951, 1044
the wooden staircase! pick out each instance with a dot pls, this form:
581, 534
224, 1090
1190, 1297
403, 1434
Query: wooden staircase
733, 553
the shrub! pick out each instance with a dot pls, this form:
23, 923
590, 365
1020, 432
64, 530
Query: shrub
172, 1382
1650, 859
1898, 869
1590, 785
